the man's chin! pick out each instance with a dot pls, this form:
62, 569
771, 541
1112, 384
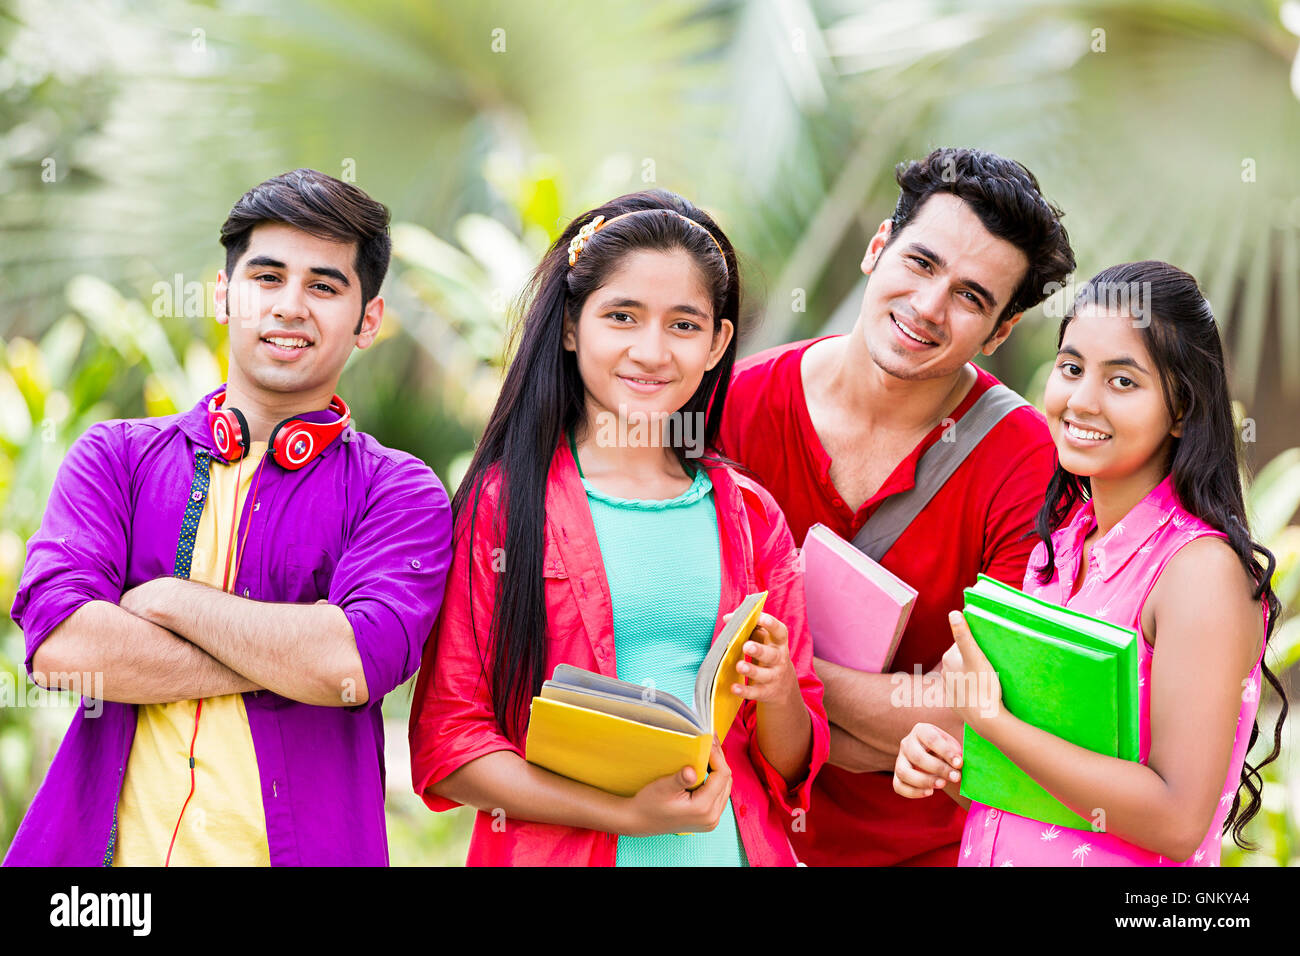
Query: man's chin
280, 385
909, 367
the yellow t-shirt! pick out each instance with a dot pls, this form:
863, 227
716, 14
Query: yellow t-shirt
224, 824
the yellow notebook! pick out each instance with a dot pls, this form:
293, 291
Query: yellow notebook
620, 736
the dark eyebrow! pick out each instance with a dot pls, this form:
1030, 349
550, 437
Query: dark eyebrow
330, 273
1123, 361
266, 262
634, 304
940, 262
1126, 362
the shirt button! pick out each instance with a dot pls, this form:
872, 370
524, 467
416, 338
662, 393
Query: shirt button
196, 496
416, 564
245, 592
993, 815
838, 502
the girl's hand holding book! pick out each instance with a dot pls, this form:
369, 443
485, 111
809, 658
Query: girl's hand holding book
668, 806
768, 671
928, 758
971, 686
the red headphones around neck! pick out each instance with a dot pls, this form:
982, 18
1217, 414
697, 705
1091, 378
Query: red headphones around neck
293, 442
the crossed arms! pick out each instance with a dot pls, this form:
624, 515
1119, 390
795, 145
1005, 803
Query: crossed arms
173, 639
170, 639
870, 714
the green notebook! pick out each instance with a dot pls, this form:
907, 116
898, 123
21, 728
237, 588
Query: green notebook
1068, 673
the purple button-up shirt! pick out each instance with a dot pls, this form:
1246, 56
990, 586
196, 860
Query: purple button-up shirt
365, 527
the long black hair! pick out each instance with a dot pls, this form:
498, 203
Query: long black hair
543, 398
1182, 338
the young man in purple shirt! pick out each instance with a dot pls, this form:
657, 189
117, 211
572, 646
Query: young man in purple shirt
244, 581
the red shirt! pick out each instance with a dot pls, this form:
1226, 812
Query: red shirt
452, 720
981, 520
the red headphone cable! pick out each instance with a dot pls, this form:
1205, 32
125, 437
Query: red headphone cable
197, 710
225, 586
228, 578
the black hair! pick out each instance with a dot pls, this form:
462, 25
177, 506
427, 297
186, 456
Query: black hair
542, 398
1182, 338
1006, 197
320, 205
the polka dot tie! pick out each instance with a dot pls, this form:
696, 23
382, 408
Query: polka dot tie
193, 510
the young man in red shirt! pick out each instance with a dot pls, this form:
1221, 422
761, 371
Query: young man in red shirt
835, 426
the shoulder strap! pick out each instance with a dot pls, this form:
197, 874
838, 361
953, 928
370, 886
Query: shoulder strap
936, 466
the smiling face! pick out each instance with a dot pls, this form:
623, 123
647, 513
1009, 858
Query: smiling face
645, 338
937, 291
292, 302
1104, 402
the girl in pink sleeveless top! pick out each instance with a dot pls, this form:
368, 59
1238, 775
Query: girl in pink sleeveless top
1125, 565
1140, 414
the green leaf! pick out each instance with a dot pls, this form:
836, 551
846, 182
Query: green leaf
60, 346
1274, 494
15, 420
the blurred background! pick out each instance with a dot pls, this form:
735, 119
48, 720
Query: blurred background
128, 130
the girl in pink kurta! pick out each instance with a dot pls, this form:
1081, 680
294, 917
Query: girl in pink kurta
1140, 415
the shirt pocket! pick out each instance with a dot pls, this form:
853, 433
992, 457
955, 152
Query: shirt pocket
307, 572
563, 612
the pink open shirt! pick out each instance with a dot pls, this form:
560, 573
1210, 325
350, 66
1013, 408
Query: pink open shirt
452, 720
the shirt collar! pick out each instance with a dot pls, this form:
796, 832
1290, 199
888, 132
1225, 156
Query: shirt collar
194, 424
1128, 535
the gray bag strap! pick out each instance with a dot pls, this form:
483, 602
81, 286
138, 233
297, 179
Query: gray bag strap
936, 466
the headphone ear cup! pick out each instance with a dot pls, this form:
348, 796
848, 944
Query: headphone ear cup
229, 433
293, 444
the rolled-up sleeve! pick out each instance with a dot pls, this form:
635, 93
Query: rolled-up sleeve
79, 554
777, 569
452, 719
390, 578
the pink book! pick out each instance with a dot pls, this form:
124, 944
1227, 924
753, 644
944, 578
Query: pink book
856, 609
